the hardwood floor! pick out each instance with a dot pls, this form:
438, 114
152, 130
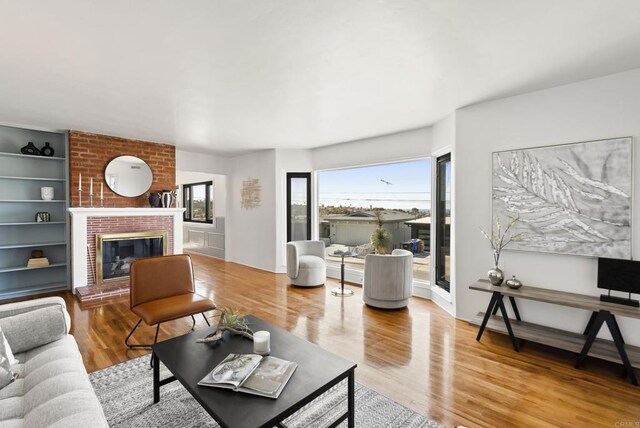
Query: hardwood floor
420, 356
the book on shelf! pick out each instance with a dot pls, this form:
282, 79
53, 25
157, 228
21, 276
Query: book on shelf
252, 374
38, 262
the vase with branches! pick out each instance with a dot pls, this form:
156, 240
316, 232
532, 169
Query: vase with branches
499, 239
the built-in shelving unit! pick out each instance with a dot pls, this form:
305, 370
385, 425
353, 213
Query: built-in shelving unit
21, 178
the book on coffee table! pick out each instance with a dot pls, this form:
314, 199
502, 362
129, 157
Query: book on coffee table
252, 374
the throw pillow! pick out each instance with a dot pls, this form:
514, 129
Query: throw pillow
12, 359
6, 375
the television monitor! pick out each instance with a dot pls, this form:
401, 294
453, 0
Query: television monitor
619, 275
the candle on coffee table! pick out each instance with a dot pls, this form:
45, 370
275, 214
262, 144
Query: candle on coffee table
261, 343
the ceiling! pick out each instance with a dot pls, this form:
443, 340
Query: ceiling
226, 77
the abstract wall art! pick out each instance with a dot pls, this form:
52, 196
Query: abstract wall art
569, 199
250, 194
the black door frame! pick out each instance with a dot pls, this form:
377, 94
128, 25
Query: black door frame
291, 175
441, 225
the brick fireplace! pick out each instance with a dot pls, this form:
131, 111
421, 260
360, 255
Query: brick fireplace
87, 223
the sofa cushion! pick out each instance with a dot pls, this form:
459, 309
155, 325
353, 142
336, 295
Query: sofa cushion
34, 328
52, 389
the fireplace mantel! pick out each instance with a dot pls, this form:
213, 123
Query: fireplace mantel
80, 265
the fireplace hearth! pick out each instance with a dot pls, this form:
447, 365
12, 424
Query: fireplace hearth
116, 251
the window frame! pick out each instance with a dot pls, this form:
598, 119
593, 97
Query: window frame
187, 202
307, 176
441, 226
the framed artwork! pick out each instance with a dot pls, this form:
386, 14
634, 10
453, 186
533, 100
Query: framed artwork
250, 193
569, 199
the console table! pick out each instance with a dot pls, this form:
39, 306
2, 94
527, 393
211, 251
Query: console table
583, 344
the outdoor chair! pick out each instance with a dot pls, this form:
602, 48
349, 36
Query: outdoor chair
306, 266
388, 279
163, 289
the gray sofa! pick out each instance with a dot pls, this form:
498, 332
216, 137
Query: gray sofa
52, 388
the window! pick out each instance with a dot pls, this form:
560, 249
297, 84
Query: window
298, 206
197, 198
354, 202
443, 219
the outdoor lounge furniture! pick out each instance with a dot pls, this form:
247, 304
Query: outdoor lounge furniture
306, 266
388, 279
163, 289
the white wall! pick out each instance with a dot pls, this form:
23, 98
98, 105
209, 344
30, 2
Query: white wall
199, 162
383, 149
251, 233
590, 110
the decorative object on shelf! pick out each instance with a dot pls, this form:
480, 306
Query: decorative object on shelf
571, 199
47, 150
155, 199
37, 259
46, 193
230, 320
514, 283
30, 149
43, 217
496, 276
80, 189
250, 193
261, 342
38, 262
381, 238
91, 192
167, 197
498, 240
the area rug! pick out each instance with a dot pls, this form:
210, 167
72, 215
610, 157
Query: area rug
126, 394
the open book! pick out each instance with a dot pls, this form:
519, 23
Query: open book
251, 373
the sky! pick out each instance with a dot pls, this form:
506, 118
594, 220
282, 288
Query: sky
402, 185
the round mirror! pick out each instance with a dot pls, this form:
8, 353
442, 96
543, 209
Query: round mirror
128, 176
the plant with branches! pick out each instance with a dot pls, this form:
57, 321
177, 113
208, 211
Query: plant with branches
499, 239
230, 320
381, 238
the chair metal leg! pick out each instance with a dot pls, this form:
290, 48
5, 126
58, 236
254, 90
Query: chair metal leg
135, 345
205, 319
154, 342
193, 326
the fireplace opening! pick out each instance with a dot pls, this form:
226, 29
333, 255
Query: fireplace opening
116, 251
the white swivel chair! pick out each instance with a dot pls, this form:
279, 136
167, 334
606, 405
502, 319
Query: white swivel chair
388, 279
306, 266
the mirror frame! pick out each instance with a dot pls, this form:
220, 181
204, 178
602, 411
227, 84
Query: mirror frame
142, 162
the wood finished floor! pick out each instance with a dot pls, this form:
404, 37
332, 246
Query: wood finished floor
420, 356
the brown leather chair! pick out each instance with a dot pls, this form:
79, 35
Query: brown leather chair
163, 289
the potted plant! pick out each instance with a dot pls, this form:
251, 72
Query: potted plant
381, 238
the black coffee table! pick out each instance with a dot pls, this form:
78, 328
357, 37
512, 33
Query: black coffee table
318, 370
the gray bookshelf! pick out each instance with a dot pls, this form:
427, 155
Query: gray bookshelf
21, 177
